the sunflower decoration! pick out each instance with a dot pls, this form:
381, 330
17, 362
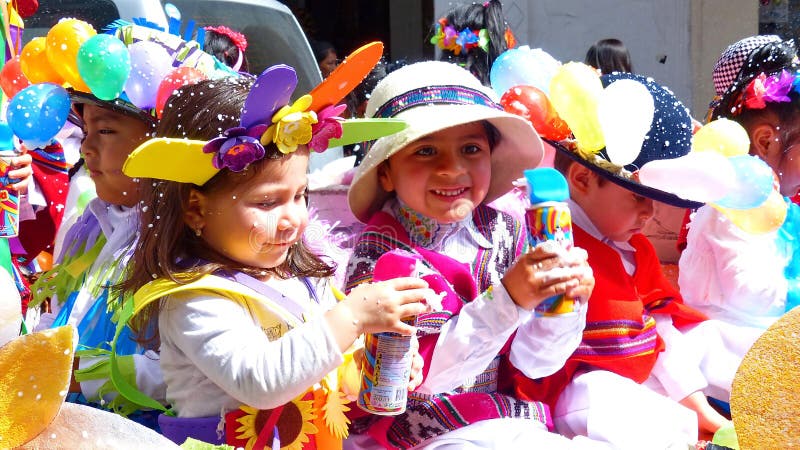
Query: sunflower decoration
294, 422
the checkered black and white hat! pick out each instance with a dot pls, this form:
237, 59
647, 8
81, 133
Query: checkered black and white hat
730, 62
741, 63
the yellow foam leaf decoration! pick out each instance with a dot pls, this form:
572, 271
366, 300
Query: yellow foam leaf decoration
34, 374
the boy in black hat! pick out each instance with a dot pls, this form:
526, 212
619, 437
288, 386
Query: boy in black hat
639, 377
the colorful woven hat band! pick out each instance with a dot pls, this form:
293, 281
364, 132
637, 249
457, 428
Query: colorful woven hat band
434, 95
269, 117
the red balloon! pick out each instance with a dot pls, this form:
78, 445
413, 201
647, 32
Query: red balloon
12, 80
533, 105
176, 79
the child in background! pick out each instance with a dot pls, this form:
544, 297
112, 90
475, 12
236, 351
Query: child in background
425, 190
473, 35
750, 280
98, 246
639, 378
609, 55
227, 46
246, 319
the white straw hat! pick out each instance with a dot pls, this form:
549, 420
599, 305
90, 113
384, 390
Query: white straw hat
432, 96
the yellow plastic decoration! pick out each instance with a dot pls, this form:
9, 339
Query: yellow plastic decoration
291, 126
723, 136
34, 64
180, 160
35, 374
763, 219
575, 91
63, 42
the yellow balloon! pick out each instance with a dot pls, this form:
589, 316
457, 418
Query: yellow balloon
63, 42
723, 136
575, 90
759, 220
34, 64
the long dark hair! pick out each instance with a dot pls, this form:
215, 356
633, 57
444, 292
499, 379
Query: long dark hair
476, 16
609, 55
166, 244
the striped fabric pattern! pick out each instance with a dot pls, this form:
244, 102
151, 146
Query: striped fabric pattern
618, 338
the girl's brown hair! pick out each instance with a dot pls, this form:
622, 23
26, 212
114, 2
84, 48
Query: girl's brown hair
167, 247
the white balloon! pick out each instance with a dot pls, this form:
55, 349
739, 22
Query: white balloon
625, 113
150, 63
699, 176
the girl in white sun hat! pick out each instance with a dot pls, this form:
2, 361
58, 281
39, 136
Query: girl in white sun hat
425, 190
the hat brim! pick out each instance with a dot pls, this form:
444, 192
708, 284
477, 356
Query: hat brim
117, 105
631, 185
519, 148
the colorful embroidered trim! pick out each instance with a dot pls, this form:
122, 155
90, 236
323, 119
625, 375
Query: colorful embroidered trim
434, 95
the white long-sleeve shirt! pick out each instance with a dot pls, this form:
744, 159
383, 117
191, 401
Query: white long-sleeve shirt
732, 275
216, 356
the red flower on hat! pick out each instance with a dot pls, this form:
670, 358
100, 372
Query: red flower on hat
754, 93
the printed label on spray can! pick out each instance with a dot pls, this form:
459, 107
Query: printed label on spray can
385, 373
9, 198
551, 221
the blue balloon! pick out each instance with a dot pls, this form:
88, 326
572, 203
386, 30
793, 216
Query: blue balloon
754, 183
37, 113
523, 66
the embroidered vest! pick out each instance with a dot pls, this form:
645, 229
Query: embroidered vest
620, 334
313, 420
429, 416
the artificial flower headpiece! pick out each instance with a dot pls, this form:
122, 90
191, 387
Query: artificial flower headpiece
765, 89
268, 117
759, 77
447, 38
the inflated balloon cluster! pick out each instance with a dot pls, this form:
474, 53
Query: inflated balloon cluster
569, 102
134, 64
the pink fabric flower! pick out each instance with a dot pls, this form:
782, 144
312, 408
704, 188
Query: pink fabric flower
328, 127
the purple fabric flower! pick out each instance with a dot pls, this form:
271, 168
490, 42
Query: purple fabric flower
777, 87
237, 148
328, 127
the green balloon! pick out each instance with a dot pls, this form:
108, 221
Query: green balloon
104, 64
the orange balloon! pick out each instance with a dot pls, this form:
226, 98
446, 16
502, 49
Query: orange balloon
45, 261
63, 42
34, 64
12, 80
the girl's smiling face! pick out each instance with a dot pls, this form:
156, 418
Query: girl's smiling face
444, 175
256, 223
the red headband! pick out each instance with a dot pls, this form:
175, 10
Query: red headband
239, 40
